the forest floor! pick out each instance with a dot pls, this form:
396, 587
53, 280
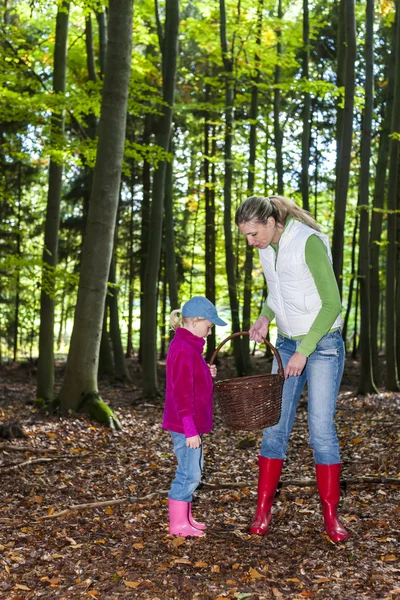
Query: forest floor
122, 548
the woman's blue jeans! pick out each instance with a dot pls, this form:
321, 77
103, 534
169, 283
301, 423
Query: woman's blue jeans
323, 373
188, 473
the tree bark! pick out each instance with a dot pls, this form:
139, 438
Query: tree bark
209, 196
278, 135
305, 139
248, 265
344, 150
121, 371
45, 376
145, 224
81, 371
170, 256
366, 384
377, 215
227, 57
391, 380
169, 49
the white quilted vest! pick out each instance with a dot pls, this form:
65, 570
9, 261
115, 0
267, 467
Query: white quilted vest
292, 293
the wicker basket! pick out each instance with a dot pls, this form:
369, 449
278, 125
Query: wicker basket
249, 403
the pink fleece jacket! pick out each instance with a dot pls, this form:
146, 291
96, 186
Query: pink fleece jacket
189, 393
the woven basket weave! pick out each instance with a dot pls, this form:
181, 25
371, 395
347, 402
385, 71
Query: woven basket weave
249, 403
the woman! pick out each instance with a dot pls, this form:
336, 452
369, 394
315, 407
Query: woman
304, 299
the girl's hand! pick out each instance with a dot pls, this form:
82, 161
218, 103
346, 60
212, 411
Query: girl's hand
213, 371
295, 366
193, 442
258, 332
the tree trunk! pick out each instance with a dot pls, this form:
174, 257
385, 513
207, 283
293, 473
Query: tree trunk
305, 139
163, 325
278, 135
170, 256
121, 371
81, 371
391, 380
106, 358
131, 261
103, 39
145, 225
377, 214
366, 384
352, 280
19, 255
344, 156
169, 48
228, 138
248, 266
209, 196
45, 376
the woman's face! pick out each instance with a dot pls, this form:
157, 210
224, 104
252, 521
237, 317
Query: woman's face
261, 235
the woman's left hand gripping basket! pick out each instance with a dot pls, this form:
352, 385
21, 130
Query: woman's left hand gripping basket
249, 403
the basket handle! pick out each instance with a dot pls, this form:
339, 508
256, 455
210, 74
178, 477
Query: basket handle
274, 350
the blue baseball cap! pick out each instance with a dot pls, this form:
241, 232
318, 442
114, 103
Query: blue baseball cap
198, 306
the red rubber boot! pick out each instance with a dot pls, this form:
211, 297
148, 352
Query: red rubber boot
328, 481
269, 474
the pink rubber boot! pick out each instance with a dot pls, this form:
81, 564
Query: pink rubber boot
179, 519
192, 521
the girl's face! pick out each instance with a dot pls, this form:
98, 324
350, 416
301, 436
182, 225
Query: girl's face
200, 328
261, 235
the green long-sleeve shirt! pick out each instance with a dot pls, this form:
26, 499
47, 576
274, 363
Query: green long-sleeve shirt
324, 278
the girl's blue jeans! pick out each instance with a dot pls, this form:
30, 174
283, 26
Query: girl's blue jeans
188, 472
323, 373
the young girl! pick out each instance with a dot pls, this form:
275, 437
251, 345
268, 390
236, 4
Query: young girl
188, 407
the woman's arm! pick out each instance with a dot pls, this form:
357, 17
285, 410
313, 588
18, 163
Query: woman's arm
322, 272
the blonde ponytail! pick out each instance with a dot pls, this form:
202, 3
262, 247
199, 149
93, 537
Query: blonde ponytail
260, 208
175, 318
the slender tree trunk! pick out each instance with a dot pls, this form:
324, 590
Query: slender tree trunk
163, 327
106, 357
103, 39
19, 254
209, 194
121, 371
352, 280
377, 213
355, 337
305, 139
344, 157
170, 256
131, 261
278, 135
391, 380
145, 220
45, 376
81, 372
248, 266
169, 48
229, 256
366, 383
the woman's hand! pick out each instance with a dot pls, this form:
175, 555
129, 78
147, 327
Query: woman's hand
193, 442
295, 366
213, 371
258, 332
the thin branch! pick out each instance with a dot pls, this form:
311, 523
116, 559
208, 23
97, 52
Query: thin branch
35, 461
217, 486
10, 448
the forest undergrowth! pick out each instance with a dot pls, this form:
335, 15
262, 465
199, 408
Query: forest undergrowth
117, 544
